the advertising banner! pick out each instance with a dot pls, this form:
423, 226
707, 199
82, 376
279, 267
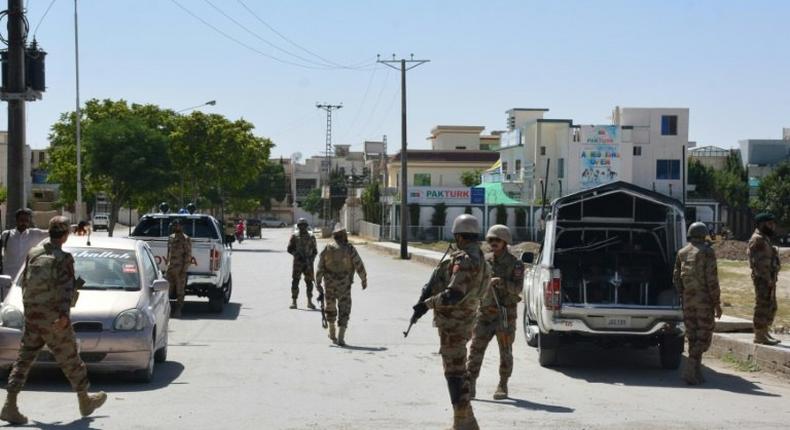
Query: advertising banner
599, 151
434, 195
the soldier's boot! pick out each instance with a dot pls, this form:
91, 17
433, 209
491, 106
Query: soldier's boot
177, 310
332, 336
698, 372
501, 390
771, 338
11, 412
464, 418
90, 402
689, 372
341, 335
310, 304
293, 304
761, 337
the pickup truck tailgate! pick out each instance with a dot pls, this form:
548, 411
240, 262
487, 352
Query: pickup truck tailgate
205, 256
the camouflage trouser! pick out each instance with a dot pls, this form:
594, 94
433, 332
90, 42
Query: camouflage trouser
488, 324
764, 304
62, 343
301, 267
178, 283
699, 324
337, 300
453, 340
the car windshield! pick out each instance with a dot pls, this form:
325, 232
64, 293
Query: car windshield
200, 228
106, 269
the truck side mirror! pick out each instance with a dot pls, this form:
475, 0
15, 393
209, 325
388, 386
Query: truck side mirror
527, 257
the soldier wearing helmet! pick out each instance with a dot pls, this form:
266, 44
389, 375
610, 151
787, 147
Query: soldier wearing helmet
697, 281
498, 309
455, 291
337, 264
179, 257
764, 262
303, 248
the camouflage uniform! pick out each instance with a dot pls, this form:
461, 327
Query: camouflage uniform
48, 293
336, 265
465, 273
489, 323
764, 261
179, 257
697, 280
303, 247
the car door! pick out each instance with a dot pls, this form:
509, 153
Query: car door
157, 300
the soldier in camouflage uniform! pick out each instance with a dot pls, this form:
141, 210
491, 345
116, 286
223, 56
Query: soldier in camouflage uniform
697, 281
303, 247
497, 312
455, 292
764, 261
337, 264
48, 293
179, 257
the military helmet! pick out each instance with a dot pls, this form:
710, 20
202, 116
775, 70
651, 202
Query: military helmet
499, 231
339, 229
164, 207
301, 221
697, 230
59, 225
466, 224
191, 208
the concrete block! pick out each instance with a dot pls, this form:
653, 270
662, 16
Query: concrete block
728, 324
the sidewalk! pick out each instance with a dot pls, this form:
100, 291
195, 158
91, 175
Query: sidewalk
732, 338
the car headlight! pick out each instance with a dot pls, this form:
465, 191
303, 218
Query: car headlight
12, 317
131, 319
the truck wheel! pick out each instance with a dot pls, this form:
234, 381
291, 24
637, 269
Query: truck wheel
671, 351
228, 290
547, 349
532, 339
216, 302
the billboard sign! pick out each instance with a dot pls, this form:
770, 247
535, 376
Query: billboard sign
434, 195
599, 152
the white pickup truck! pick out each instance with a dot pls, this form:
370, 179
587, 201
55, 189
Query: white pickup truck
209, 274
604, 273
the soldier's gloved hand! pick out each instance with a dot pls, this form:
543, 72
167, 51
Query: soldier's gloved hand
717, 311
451, 297
420, 309
61, 323
497, 283
364, 284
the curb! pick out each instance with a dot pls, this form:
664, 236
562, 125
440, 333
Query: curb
771, 359
419, 258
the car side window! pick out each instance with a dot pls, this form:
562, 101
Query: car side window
149, 268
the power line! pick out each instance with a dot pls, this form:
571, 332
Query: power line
42, 17
362, 64
356, 116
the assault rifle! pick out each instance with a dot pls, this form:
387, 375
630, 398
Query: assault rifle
425, 294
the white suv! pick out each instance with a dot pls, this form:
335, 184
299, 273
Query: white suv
101, 222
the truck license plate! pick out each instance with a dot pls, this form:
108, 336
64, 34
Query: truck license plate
618, 322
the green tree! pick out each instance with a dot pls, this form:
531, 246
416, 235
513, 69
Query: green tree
773, 195
703, 178
371, 203
313, 203
3, 194
125, 155
269, 185
471, 178
338, 192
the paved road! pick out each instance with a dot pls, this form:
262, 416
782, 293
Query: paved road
260, 365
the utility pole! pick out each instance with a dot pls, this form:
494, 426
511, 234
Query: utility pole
78, 120
404, 179
17, 87
326, 168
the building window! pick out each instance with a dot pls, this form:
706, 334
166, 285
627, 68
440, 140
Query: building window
669, 125
560, 168
542, 150
422, 179
637, 151
518, 166
504, 167
667, 169
577, 135
460, 147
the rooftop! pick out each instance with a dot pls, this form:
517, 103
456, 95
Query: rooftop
466, 156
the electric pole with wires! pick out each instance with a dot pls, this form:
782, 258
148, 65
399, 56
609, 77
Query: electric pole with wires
15, 94
326, 164
404, 66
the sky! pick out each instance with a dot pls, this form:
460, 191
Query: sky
727, 61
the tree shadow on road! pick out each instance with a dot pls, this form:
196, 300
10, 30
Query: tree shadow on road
258, 250
361, 348
80, 424
526, 404
636, 367
52, 380
201, 311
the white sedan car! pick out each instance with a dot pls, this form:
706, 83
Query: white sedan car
122, 315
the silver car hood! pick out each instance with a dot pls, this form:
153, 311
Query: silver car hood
93, 305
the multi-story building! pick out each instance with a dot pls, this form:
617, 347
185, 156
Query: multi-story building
761, 156
710, 156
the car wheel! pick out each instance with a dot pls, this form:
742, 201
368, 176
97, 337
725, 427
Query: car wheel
146, 374
547, 349
282, 225
671, 351
532, 338
161, 354
228, 289
216, 302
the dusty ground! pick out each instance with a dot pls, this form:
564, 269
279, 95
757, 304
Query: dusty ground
737, 292
736, 250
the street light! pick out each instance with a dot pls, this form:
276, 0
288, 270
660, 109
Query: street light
208, 103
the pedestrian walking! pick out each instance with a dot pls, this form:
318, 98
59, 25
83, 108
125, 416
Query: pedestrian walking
48, 293
456, 290
337, 264
496, 315
179, 257
82, 229
697, 281
764, 262
17, 242
303, 247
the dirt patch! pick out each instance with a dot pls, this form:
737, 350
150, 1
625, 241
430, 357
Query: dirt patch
736, 250
737, 293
